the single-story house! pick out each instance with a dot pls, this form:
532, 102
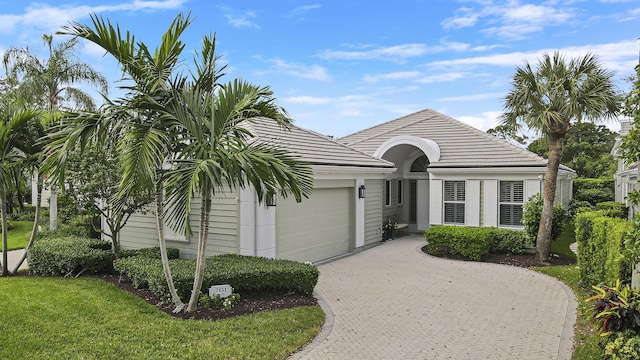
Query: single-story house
421, 169
626, 176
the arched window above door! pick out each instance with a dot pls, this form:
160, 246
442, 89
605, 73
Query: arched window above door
420, 164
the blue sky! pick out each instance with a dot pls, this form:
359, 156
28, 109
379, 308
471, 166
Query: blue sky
342, 66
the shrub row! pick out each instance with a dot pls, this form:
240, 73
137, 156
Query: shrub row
153, 253
600, 242
473, 242
246, 274
593, 190
614, 209
70, 256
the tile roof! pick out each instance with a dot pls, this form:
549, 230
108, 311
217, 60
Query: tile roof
460, 145
312, 147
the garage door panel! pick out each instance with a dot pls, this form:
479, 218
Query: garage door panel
315, 229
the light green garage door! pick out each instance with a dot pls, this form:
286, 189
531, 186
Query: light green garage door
315, 229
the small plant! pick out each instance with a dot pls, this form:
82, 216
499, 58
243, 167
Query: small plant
616, 308
624, 346
389, 224
532, 213
226, 303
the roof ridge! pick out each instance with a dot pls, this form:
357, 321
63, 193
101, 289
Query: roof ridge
384, 123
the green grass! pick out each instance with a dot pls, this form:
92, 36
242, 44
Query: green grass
54, 318
568, 237
18, 237
586, 337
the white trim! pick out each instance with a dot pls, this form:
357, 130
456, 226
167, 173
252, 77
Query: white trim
428, 147
266, 230
360, 214
247, 221
435, 202
472, 203
491, 203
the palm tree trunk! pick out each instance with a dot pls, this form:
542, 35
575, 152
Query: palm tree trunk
175, 298
543, 243
205, 209
5, 241
34, 229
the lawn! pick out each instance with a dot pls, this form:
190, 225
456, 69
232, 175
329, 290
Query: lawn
54, 318
568, 237
18, 237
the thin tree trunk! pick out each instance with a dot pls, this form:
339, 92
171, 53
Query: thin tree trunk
543, 243
205, 208
34, 229
5, 241
175, 298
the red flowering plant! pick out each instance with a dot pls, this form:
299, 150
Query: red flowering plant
616, 308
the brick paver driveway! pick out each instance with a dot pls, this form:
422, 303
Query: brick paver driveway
393, 302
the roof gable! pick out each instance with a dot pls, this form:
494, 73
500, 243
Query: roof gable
460, 145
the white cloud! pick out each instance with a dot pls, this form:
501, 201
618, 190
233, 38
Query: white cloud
485, 121
311, 72
309, 100
300, 11
391, 53
474, 97
445, 77
400, 75
243, 20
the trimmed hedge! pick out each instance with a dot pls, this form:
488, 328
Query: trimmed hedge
152, 253
473, 243
594, 190
70, 256
615, 209
246, 274
600, 242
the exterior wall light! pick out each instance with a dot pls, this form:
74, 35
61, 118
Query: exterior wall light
362, 192
271, 199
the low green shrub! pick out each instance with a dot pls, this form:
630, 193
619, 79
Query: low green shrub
624, 345
532, 213
615, 209
473, 243
600, 243
246, 274
9, 225
70, 256
594, 190
578, 206
616, 308
153, 253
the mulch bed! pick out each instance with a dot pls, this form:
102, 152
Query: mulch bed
244, 306
524, 260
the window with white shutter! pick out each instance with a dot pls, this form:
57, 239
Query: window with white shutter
454, 202
511, 200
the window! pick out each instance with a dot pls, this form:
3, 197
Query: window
387, 193
454, 202
400, 197
511, 198
420, 164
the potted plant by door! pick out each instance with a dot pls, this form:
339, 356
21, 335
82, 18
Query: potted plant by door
388, 228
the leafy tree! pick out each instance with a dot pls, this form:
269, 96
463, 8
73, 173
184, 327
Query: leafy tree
49, 83
509, 133
587, 150
550, 100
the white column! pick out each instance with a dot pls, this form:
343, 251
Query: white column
359, 214
491, 203
422, 204
248, 203
435, 200
472, 203
266, 230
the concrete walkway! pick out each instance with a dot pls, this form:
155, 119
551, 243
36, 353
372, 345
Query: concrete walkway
14, 256
394, 302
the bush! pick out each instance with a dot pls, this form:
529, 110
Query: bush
532, 213
624, 345
152, 253
578, 206
600, 243
594, 190
473, 243
70, 256
246, 274
9, 226
616, 308
615, 209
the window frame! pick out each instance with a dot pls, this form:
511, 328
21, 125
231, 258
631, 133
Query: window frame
387, 193
458, 202
400, 192
512, 202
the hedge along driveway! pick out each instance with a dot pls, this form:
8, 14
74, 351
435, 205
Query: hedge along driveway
90, 319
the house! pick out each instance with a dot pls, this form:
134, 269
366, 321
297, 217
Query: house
422, 169
626, 176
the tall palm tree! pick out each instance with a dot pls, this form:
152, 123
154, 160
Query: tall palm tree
550, 100
49, 83
13, 120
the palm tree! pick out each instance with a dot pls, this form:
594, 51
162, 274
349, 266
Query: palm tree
143, 136
550, 100
219, 151
48, 84
12, 124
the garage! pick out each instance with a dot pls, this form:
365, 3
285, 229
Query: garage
318, 228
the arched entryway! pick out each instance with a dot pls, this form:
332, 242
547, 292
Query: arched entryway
406, 192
